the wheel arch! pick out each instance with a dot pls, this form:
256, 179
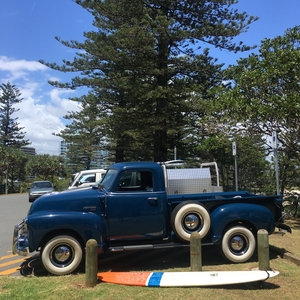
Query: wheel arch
82, 226
251, 216
245, 223
58, 232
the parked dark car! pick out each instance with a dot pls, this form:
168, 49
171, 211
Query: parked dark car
39, 188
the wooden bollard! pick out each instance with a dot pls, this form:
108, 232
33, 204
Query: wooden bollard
91, 263
195, 252
263, 249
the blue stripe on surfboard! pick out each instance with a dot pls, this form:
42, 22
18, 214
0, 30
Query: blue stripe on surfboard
155, 279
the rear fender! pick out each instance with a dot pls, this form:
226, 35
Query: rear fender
253, 216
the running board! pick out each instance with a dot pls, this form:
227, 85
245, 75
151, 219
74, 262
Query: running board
150, 247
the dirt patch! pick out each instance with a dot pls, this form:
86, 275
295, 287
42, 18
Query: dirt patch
294, 223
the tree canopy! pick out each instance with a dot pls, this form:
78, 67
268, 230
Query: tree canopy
265, 94
45, 166
12, 166
146, 62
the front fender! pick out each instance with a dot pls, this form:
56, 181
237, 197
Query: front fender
257, 216
86, 225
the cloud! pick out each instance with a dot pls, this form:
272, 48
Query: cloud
63, 103
40, 119
43, 107
9, 64
43, 118
19, 68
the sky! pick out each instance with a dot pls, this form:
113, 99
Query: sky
27, 34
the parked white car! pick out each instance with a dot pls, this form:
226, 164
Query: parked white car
87, 178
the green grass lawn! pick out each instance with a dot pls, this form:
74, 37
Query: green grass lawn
42, 286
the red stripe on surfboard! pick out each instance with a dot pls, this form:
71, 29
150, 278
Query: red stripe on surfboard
128, 278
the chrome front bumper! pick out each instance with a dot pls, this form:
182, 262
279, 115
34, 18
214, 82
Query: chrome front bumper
20, 239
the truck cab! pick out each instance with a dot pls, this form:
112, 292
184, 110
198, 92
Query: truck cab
136, 203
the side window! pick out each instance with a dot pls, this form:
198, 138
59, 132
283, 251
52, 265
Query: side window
88, 178
131, 181
146, 181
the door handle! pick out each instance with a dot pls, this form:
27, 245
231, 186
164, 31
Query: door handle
153, 198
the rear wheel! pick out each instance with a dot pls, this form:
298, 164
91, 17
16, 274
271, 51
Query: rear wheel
62, 255
238, 244
190, 217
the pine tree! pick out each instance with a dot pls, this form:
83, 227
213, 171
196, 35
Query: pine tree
11, 134
85, 134
146, 61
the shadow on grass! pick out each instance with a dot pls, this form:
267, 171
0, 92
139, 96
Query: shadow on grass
142, 260
257, 285
154, 260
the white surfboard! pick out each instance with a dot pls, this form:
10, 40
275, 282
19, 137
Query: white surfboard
181, 279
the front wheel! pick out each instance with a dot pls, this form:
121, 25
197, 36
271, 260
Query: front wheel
238, 244
62, 255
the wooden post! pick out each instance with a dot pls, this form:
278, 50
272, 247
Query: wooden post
91, 263
195, 252
263, 249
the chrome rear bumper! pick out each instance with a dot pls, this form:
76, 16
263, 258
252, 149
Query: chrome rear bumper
20, 239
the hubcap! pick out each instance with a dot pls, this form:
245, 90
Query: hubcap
239, 244
191, 222
62, 256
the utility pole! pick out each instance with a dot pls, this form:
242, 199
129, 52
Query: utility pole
175, 153
275, 148
235, 165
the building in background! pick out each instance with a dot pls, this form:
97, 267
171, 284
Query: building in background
101, 156
28, 150
101, 160
63, 148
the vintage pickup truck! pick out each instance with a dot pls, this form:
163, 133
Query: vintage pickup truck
144, 205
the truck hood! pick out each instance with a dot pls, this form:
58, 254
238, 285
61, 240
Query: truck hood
85, 200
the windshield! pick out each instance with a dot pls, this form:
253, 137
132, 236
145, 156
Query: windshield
45, 184
109, 178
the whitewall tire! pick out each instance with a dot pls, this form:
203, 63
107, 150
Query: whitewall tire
190, 217
238, 244
62, 255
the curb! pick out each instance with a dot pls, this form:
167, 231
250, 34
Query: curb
283, 253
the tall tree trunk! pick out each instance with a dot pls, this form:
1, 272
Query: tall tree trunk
120, 149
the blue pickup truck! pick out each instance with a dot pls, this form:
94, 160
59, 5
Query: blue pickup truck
143, 205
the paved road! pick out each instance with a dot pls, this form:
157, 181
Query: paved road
13, 209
